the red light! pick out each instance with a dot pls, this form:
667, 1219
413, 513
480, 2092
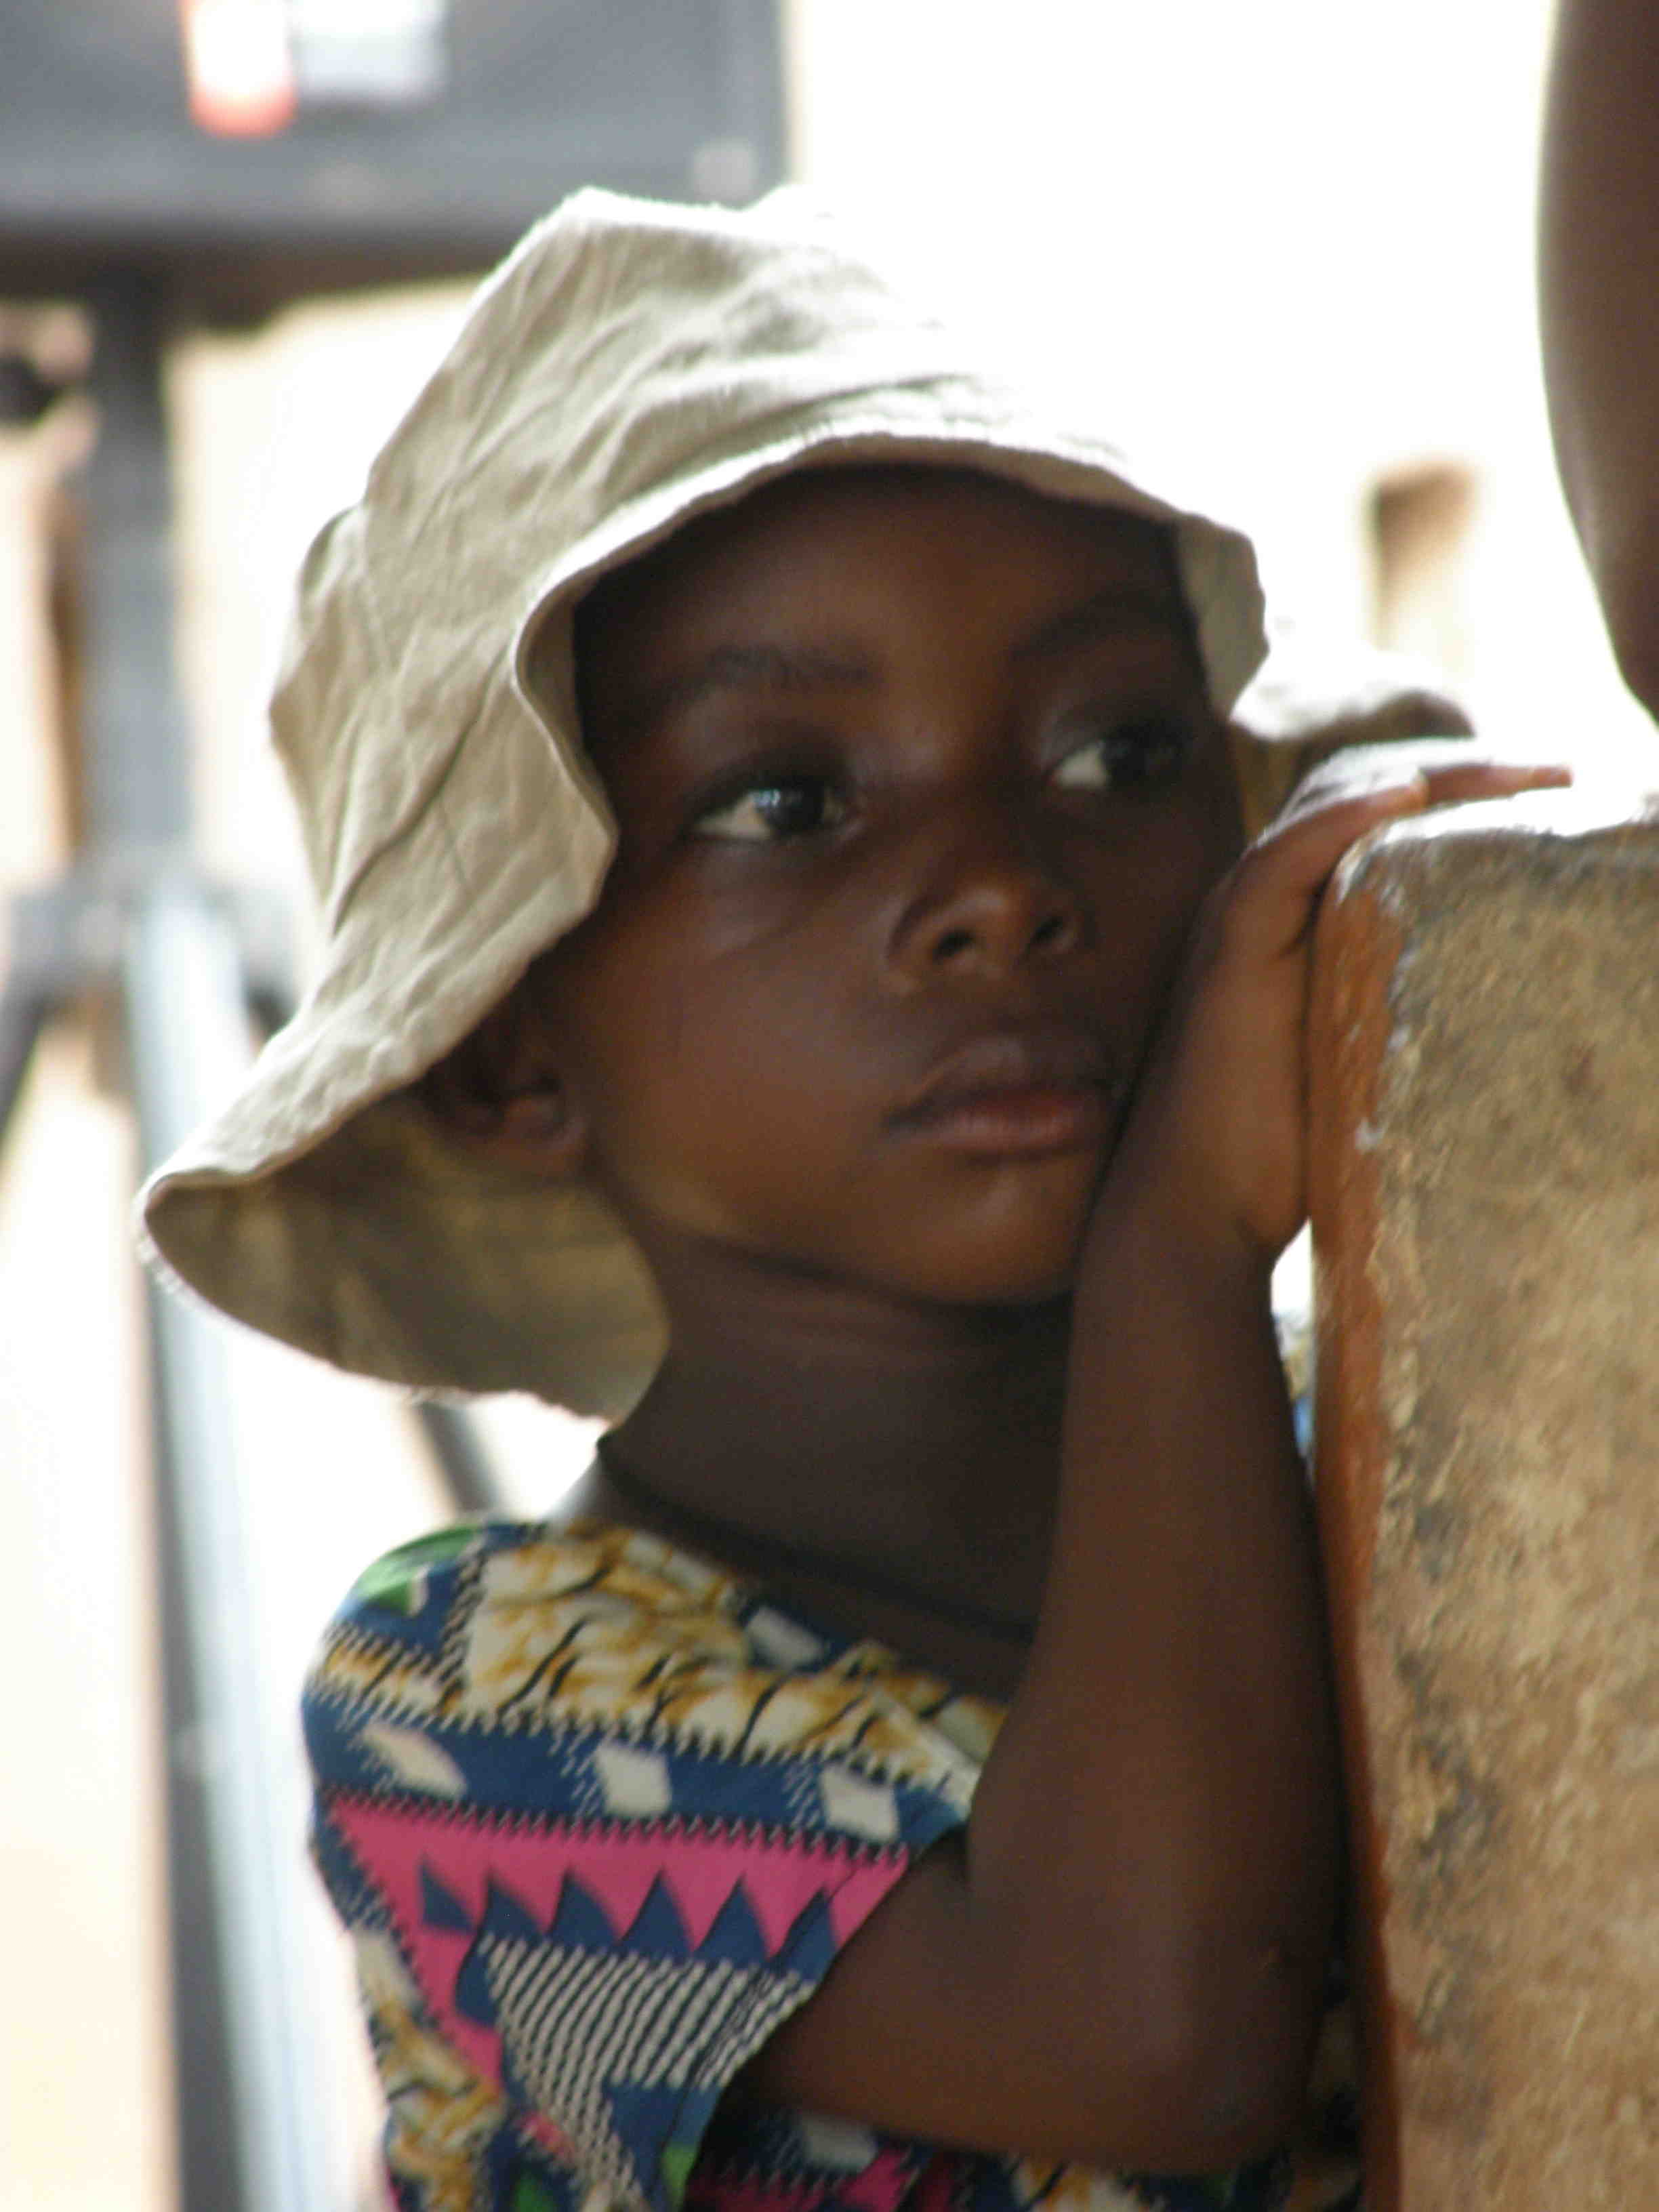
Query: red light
239, 66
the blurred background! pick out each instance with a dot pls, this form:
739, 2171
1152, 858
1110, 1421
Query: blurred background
1291, 243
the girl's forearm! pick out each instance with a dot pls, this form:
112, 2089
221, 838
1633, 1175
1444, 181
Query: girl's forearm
1123, 1959
1174, 1734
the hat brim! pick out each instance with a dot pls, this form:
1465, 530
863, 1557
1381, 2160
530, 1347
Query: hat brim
629, 367
323, 1206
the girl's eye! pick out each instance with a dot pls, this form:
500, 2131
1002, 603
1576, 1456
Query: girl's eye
768, 813
1134, 755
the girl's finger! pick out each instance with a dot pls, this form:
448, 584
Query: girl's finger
1271, 896
1266, 902
1469, 780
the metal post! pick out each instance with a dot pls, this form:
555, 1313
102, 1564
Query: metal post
23, 1015
135, 757
253, 2118
462, 1458
253, 2114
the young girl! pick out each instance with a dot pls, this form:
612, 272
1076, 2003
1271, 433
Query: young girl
795, 979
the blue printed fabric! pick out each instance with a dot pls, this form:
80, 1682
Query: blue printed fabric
599, 1817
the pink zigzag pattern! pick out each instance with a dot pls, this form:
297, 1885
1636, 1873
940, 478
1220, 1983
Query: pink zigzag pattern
394, 1844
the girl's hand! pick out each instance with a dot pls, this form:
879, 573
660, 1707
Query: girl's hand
1218, 1128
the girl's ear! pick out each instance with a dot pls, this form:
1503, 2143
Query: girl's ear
500, 1092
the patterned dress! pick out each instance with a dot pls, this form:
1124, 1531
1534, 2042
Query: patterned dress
599, 1816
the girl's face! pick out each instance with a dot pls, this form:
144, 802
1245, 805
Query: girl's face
918, 791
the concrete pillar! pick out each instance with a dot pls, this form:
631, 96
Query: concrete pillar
1485, 1182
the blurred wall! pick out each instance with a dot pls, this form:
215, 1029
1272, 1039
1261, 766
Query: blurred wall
1292, 241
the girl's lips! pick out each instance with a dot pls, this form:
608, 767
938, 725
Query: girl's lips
1025, 1121
1015, 1093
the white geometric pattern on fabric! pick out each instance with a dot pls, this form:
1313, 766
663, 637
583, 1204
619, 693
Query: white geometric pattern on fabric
844, 2146
782, 1643
414, 1759
636, 1782
865, 1809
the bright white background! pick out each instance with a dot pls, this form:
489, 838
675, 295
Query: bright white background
1291, 242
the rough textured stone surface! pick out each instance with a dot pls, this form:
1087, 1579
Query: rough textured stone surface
1485, 1192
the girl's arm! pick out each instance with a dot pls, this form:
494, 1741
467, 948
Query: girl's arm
1599, 308
1122, 1958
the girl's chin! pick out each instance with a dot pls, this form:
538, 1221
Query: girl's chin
1028, 1276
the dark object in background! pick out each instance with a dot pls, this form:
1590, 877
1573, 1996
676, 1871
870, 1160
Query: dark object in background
378, 161
25, 393
1598, 309
167, 163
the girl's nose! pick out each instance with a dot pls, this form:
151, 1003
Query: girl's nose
990, 905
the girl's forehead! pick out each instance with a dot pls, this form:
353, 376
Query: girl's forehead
809, 547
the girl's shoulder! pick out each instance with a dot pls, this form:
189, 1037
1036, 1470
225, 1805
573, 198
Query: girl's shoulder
452, 1656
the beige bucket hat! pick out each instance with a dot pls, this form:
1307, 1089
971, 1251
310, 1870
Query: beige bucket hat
628, 366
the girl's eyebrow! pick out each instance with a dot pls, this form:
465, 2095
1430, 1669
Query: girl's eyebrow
1104, 613
760, 666
763, 665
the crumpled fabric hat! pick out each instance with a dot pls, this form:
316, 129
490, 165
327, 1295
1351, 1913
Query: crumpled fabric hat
628, 366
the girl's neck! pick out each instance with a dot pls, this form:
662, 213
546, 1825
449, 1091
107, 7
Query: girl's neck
845, 1448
